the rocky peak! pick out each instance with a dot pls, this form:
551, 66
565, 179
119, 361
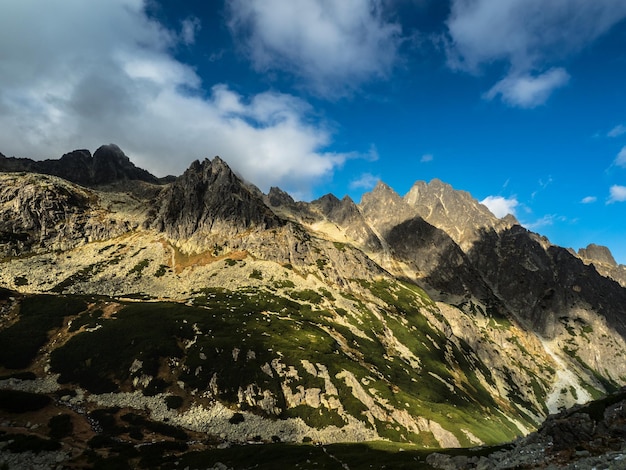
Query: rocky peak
602, 259
346, 214
597, 254
207, 198
384, 208
108, 165
277, 197
454, 211
327, 203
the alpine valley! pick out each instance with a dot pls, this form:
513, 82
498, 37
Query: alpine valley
175, 322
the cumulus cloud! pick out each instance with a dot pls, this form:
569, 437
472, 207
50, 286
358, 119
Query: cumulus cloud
365, 181
617, 194
589, 200
617, 131
527, 36
500, 206
527, 91
78, 74
333, 46
620, 160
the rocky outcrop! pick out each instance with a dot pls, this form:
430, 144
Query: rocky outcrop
383, 208
348, 217
602, 259
453, 211
277, 197
438, 260
40, 213
208, 198
541, 283
597, 254
108, 165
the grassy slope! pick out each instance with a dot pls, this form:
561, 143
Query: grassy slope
234, 335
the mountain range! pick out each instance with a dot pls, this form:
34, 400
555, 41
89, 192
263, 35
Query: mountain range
200, 304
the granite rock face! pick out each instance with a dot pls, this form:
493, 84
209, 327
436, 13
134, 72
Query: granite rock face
40, 213
210, 197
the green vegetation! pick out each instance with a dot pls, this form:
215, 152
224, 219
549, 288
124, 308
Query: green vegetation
326, 293
174, 402
15, 401
87, 319
155, 426
608, 385
359, 456
85, 274
38, 315
230, 340
162, 269
236, 418
60, 426
18, 443
284, 284
315, 417
139, 267
146, 332
307, 295
256, 274
20, 376
340, 246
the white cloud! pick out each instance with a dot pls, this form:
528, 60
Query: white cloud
617, 131
190, 27
366, 181
527, 36
526, 91
500, 206
589, 200
427, 158
618, 194
620, 160
68, 79
545, 221
332, 46
372, 154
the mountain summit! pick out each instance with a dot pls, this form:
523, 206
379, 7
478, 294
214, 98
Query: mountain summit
238, 316
108, 165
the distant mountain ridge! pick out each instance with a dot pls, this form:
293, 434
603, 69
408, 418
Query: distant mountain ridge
420, 319
108, 165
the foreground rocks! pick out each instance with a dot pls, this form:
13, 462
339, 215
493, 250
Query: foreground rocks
591, 436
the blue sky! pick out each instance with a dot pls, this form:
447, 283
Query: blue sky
520, 102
